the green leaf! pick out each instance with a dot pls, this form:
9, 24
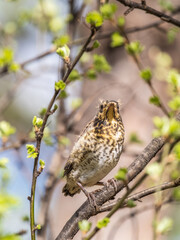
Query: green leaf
103, 223
91, 74
117, 40
131, 204
96, 44
171, 34
60, 85
121, 174
63, 94
6, 202
176, 151
166, 5
63, 52
62, 40
25, 218
55, 107
64, 141
100, 63
48, 140
3, 162
74, 75
166, 127
84, 226
31, 150
174, 104
134, 138
158, 122
146, 74
10, 28
94, 18
10, 236
174, 78
37, 122
155, 100
6, 129
154, 170
176, 194
76, 103
55, 24
107, 10
42, 163
134, 48
164, 226
121, 21
42, 112
14, 67
6, 56
174, 174
38, 226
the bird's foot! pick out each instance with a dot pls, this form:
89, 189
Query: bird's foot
90, 196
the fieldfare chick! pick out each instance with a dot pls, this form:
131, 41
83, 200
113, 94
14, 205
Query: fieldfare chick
97, 150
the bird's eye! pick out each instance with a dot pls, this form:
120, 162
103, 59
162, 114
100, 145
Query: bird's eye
101, 108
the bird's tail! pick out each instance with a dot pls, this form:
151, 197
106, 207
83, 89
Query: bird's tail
70, 189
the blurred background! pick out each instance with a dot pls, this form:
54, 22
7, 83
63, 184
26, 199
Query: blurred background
30, 31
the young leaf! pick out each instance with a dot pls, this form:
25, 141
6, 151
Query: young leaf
96, 44
6, 129
134, 48
37, 122
131, 204
76, 103
14, 67
61, 41
146, 74
107, 10
63, 94
3, 162
103, 223
63, 52
84, 226
94, 18
174, 104
31, 150
74, 75
121, 21
42, 163
60, 85
100, 63
134, 138
121, 174
91, 74
117, 40
64, 141
164, 226
155, 100
154, 170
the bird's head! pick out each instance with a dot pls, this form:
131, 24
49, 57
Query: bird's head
109, 111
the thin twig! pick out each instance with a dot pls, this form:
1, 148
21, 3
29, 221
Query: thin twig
152, 11
81, 40
39, 134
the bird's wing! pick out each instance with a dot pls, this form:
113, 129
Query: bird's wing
68, 167
78, 153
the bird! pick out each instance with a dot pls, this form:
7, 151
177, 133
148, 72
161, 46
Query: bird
97, 150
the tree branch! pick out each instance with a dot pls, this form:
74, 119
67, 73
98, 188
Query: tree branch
166, 18
144, 193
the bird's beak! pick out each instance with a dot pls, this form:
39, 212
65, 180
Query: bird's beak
110, 112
